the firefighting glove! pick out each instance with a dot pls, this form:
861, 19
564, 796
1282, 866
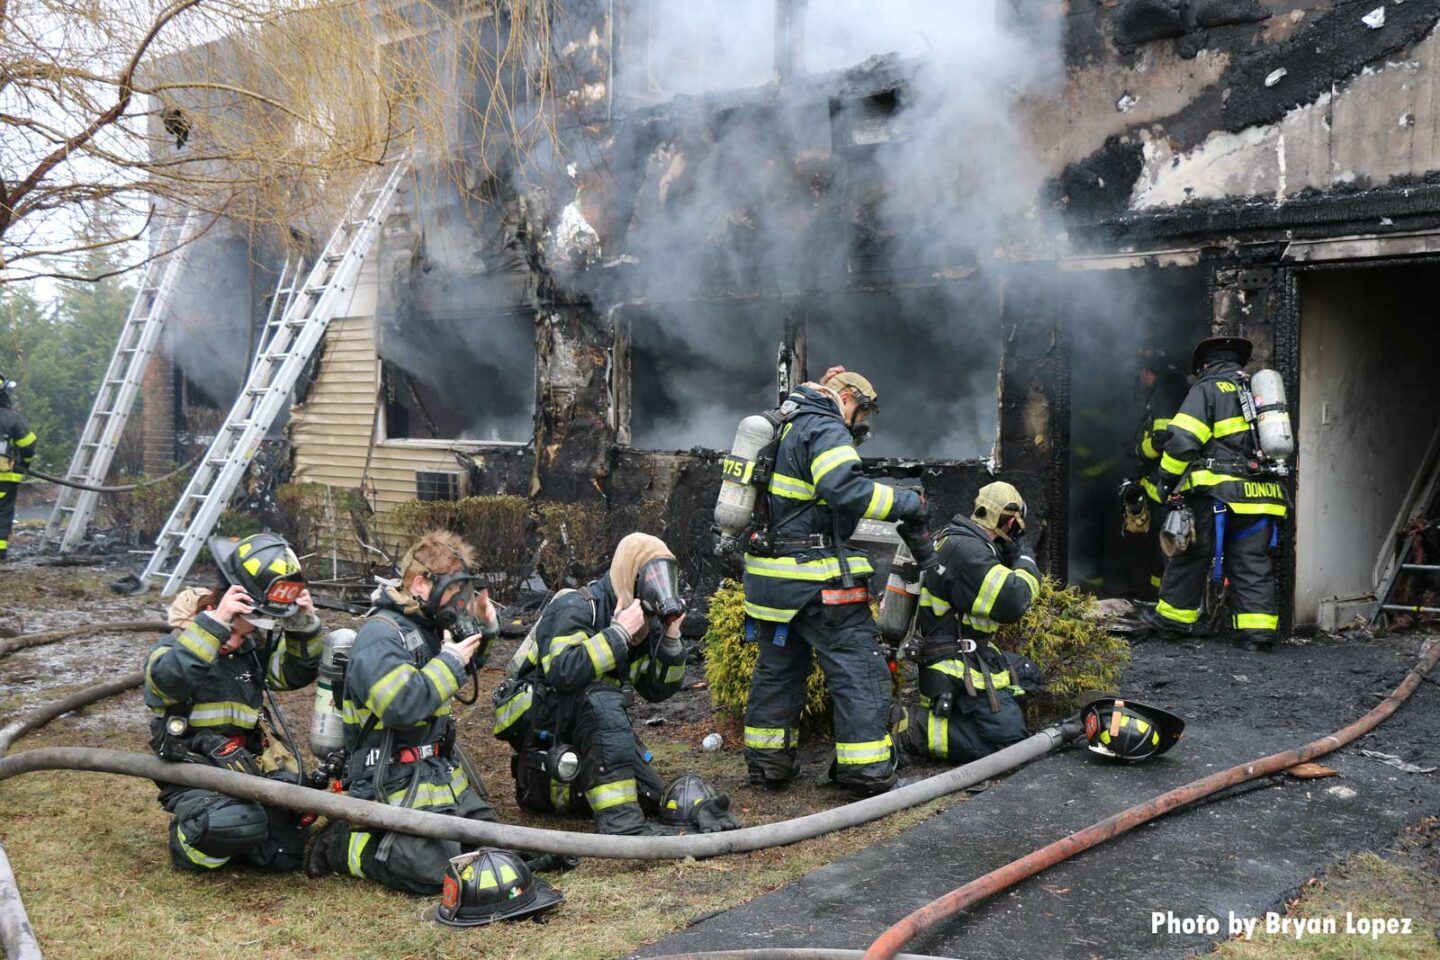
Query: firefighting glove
302, 622
1010, 550
224, 752
918, 542
714, 816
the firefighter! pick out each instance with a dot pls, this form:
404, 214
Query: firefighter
1162, 389
1209, 466
594, 648
17, 449
205, 685
968, 686
421, 641
806, 590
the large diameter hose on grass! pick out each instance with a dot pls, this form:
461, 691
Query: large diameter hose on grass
933, 913
15, 931
422, 823
122, 488
11, 644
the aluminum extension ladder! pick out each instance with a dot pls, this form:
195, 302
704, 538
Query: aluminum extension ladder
113, 401
1421, 512
285, 286
267, 389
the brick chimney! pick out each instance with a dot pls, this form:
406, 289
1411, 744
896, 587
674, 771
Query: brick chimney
157, 421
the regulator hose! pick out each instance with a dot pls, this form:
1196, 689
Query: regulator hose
123, 488
11, 644
933, 913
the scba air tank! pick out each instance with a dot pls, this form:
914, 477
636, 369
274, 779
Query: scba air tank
327, 726
1272, 415
738, 493
902, 598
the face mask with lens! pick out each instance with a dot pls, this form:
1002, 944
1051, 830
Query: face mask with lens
658, 589
860, 432
453, 613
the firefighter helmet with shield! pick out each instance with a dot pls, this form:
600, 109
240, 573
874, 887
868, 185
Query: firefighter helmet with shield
490, 884
682, 795
1127, 730
266, 567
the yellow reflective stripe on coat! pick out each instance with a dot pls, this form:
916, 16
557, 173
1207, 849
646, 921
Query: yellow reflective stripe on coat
937, 735
513, 709
1230, 426
670, 674
934, 603
955, 667
150, 684
1196, 428
989, 591
195, 856
980, 624
608, 795
867, 751
602, 658
384, 691
771, 738
27, 440
559, 796
830, 459
202, 643
438, 672
882, 498
794, 489
224, 713
426, 795
357, 716
756, 611
1030, 581
1256, 621
359, 840
559, 645
815, 571
1175, 613
1171, 465
1271, 509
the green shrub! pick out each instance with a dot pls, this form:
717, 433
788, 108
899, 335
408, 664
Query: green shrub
1064, 633
496, 526
312, 515
142, 512
730, 661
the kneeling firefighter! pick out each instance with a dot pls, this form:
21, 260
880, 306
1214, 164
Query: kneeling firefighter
420, 642
565, 711
207, 683
968, 686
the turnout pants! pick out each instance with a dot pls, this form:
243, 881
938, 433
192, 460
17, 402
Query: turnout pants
8, 491
1254, 608
843, 638
616, 784
211, 829
969, 733
412, 864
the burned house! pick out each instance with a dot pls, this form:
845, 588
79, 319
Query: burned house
994, 214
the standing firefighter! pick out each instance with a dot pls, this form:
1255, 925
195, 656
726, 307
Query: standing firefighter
420, 643
806, 590
968, 686
17, 449
1162, 388
1210, 467
594, 649
206, 684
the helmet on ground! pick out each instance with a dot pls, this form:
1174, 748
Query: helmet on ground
490, 884
266, 567
1126, 730
995, 503
1239, 346
682, 796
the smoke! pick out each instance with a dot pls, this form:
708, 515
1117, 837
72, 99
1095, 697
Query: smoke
208, 334
821, 186
461, 354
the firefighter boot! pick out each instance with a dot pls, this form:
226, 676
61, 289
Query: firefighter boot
328, 850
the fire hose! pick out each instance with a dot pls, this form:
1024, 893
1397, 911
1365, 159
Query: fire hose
123, 488
11, 644
422, 823
933, 913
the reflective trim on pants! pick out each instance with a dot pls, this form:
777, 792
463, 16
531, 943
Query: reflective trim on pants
937, 735
1256, 621
1176, 614
608, 795
870, 751
195, 856
771, 738
358, 842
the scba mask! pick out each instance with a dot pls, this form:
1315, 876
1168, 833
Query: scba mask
658, 589
451, 602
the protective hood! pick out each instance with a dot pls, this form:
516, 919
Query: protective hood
633, 552
186, 606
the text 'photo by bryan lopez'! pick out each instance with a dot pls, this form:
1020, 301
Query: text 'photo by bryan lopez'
1167, 923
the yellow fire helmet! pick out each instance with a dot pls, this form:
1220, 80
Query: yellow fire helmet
995, 504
